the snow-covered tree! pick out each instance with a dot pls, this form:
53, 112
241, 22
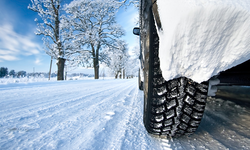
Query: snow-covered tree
21, 74
117, 59
91, 27
133, 63
12, 73
3, 72
49, 11
135, 2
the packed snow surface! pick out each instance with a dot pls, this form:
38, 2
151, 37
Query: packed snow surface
200, 38
104, 114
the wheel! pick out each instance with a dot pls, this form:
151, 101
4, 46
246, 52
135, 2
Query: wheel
140, 83
171, 108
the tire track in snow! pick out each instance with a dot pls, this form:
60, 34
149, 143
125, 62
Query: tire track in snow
95, 123
115, 127
54, 90
55, 93
135, 135
98, 93
109, 113
45, 106
62, 125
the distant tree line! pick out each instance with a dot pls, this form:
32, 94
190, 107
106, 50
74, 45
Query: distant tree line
4, 73
20, 74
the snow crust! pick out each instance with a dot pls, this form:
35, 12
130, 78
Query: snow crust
200, 38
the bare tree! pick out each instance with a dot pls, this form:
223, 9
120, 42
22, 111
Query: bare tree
135, 2
91, 27
132, 65
117, 59
49, 11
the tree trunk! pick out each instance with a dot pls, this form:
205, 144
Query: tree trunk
96, 68
95, 54
116, 75
60, 66
123, 72
61, 61
65, 73
50, 67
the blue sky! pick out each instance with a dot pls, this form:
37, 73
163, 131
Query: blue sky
21, 49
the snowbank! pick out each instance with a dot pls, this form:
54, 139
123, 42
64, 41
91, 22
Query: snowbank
24, 80
200, 38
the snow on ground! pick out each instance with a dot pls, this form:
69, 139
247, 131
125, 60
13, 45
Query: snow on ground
225, 125
24, 80
11, 80
86, 114
105, 114
200, 38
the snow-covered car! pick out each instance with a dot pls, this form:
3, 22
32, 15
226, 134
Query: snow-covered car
187, 48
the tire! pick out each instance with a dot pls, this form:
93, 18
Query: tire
171, 108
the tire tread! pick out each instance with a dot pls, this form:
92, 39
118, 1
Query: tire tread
177, 105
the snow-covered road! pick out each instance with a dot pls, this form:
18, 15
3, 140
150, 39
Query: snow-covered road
105, 114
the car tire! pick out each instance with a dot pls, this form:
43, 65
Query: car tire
171, 108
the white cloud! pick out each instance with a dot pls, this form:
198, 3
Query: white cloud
38, 61
13, 45
7, 57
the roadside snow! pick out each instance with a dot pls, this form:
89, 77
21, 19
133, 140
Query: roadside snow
201, 38
104, 114
10, 80
83, 114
